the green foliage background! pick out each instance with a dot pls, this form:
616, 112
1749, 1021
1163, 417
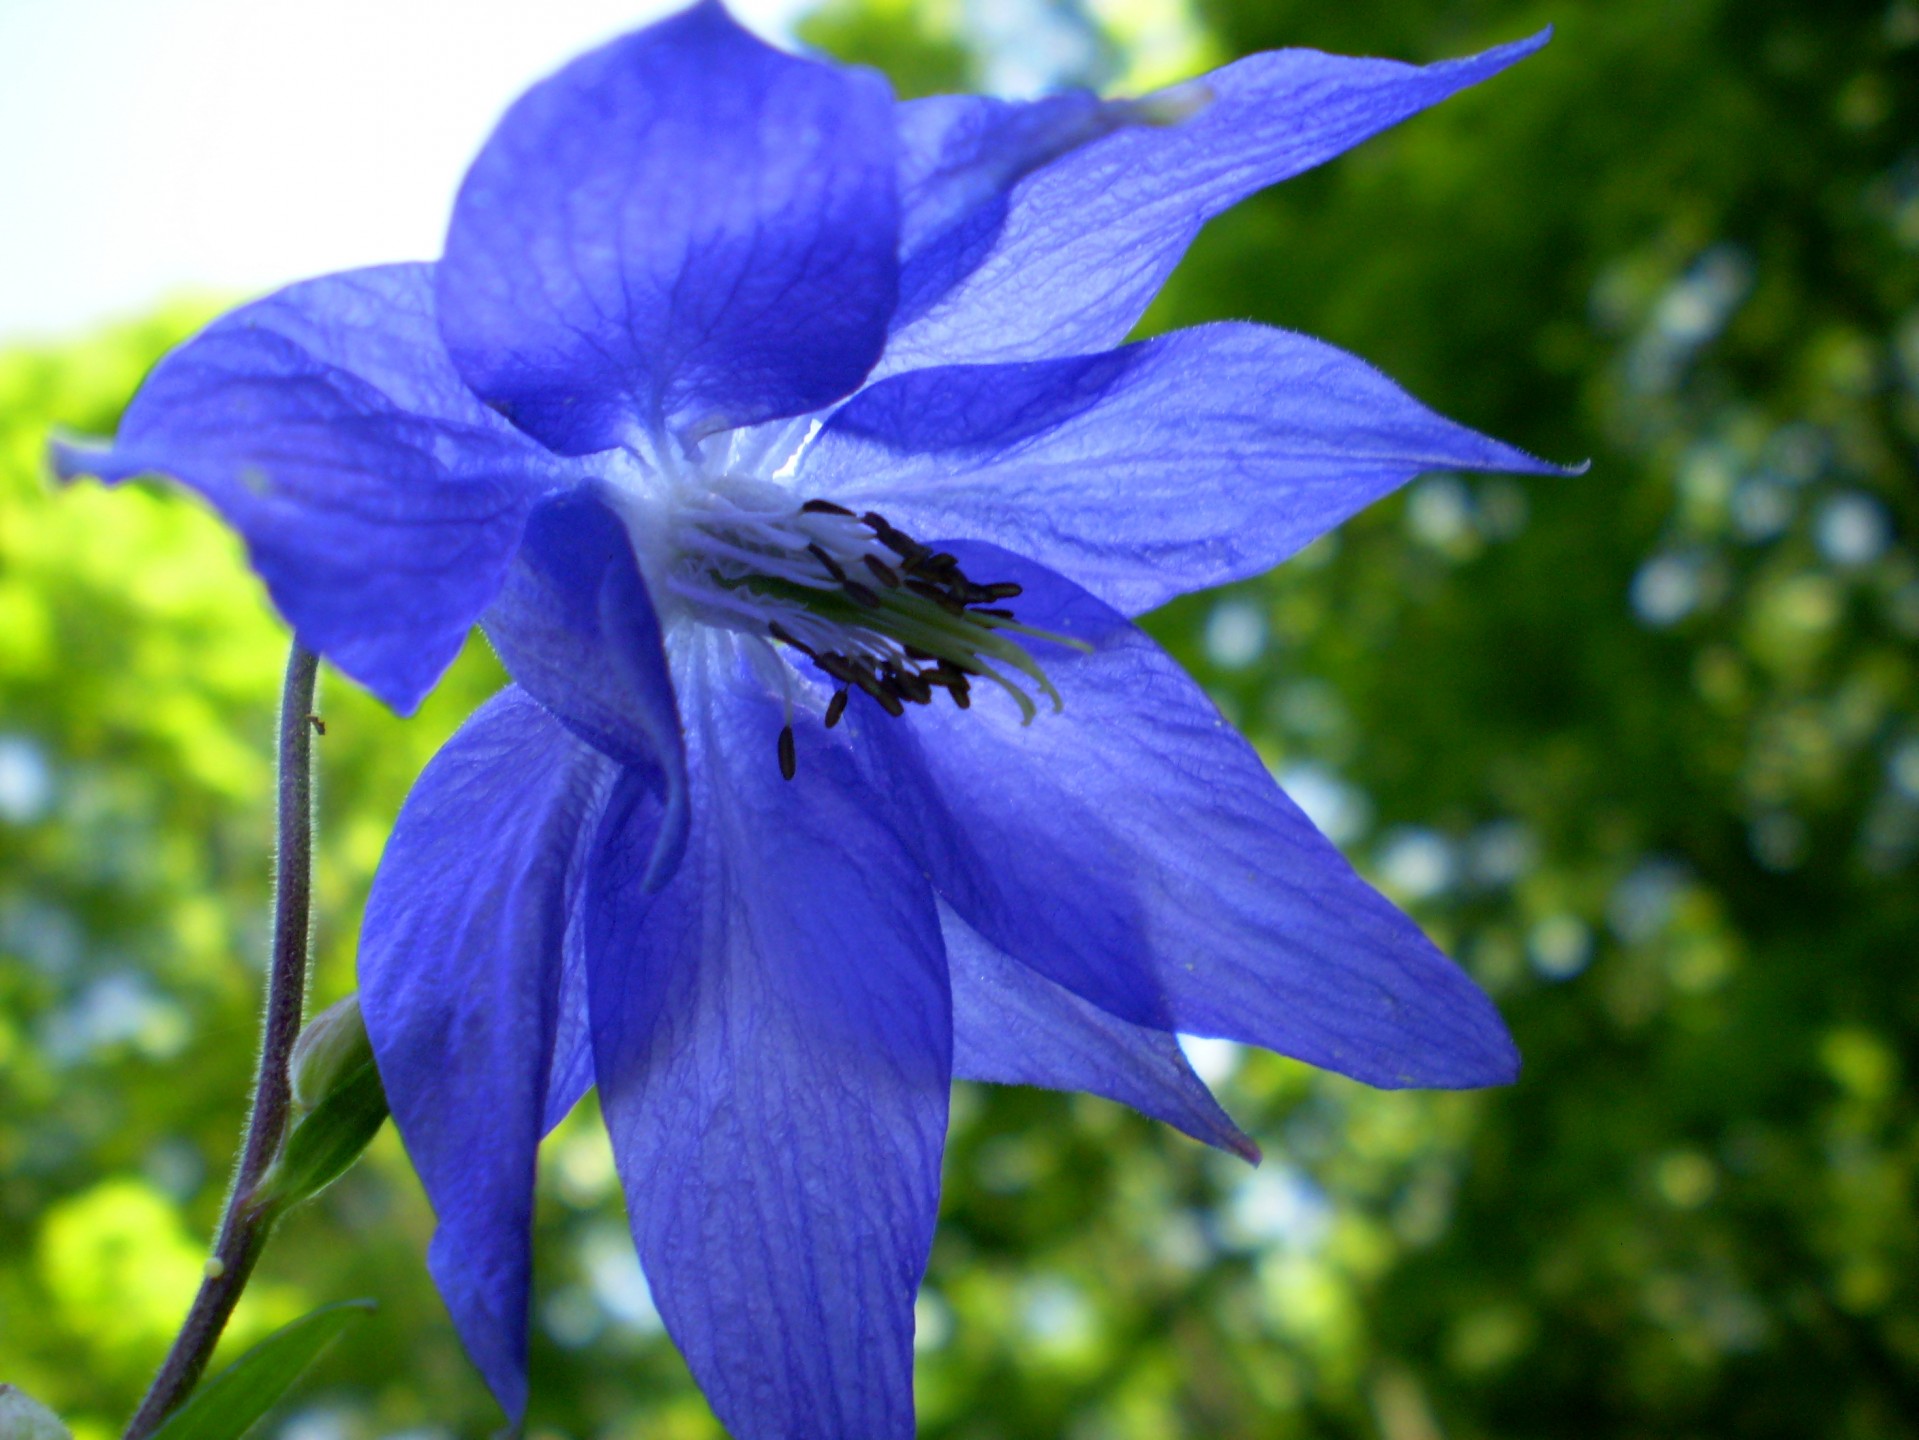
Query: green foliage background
1640, 747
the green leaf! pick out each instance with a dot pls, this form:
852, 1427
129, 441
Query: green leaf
228, 1405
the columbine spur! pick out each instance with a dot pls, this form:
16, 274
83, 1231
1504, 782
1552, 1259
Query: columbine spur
775, 433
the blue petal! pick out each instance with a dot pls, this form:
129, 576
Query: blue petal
1138, 829
1148, 471
1089, 239
1012, 1026
1007, 873
960, 156
772, 1037
379, 500
571, 1074
575, 625
683, 229
460, 979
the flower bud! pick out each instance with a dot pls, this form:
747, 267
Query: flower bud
24, 1418
331, 1048
339, 1107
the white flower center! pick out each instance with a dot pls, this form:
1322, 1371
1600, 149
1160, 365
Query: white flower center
857, 603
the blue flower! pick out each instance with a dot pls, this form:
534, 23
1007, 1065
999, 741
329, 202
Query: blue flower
776, 434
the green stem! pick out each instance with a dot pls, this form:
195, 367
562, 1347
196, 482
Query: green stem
245, 1225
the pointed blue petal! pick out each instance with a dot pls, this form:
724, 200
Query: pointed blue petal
378, 499
683, 229
773, 1047
1137, 827
460, 961
1013, 1026
571, 1074
1003, 870
574, 624
1090, 238
1145, 472
961, 155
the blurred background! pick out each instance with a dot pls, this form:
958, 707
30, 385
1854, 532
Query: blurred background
1641, 748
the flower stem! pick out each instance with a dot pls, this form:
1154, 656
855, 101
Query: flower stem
245, 1225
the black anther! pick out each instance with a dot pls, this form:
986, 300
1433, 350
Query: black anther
900, 543
938, 594
779, 633
831, 566
839, 667
883, 692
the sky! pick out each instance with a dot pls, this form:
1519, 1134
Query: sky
150, 148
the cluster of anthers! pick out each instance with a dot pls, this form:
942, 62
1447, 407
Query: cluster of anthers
872, 608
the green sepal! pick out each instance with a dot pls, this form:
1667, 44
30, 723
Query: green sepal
228, 1405
326, 1140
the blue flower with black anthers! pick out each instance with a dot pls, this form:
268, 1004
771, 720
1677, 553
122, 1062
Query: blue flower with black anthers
775, 433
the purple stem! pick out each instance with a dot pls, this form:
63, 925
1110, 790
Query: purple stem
245, 1226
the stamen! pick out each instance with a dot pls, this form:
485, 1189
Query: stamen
900, 543
936, 594
911, 624
827, 562
838, 668
779, 633
954, 679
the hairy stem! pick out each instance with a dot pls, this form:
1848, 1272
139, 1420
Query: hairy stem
245, 1226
